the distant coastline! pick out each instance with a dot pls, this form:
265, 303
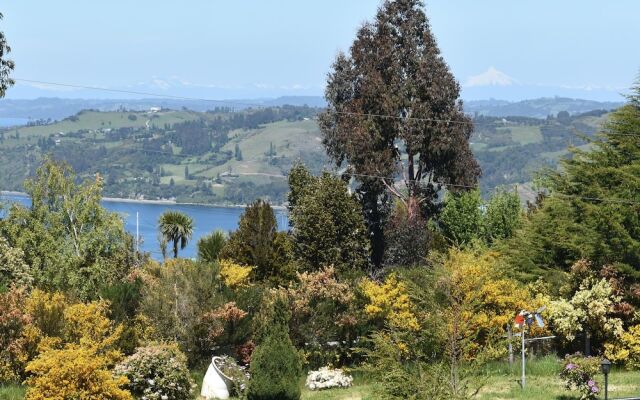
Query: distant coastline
147, 201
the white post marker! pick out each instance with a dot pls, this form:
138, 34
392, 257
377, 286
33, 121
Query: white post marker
137, 233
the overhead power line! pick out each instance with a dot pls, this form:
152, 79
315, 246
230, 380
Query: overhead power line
443, 184
245, 104
138, 93
255, 105
231, 102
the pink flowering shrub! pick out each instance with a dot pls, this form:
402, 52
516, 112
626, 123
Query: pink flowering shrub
579, 375
157, 372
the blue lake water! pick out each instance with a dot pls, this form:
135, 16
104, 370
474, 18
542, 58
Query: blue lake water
206, 219
5, 122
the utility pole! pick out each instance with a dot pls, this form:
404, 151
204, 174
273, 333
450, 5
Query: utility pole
137, 232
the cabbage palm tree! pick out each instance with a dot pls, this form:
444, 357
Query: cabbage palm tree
209, 246
176, 227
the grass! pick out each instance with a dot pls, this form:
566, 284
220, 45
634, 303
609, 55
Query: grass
91, 120
362, 391
11, 392
526, 134
543, 382
499, 382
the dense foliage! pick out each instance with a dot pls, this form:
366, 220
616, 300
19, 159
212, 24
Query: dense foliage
591, 210
157, 372
328, 223
69, 241
275, 368
6, 65
393, 110
258, 243
83, 315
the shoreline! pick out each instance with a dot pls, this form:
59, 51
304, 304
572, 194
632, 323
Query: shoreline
146, 201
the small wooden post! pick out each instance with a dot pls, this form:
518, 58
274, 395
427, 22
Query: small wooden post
510, 338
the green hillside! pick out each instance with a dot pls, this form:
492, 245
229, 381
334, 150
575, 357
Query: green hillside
223, 156
183, 155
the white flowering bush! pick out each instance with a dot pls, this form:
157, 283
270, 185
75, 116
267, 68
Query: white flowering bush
591, 305
157, 372
327, 378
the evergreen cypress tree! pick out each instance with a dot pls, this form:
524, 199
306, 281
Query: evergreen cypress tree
275, 363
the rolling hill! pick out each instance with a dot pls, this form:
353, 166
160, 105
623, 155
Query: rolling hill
225, 156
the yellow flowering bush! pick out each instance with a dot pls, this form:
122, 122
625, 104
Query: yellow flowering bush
626, 349
390, 302
74, 372
47, 311
233, 274
482, 302
77, 363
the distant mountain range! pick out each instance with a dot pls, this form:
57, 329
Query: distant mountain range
58, 108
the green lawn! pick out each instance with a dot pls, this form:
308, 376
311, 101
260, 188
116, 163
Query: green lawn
498, 382
11, 392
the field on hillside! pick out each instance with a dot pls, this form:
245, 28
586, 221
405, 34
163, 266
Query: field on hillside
234, 157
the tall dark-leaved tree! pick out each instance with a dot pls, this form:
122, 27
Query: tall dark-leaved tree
394, 111
6, 66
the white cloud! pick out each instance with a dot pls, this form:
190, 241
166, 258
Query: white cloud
491, 77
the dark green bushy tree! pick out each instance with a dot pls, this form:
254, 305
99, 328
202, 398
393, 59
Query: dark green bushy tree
503, 216
461, 217
591, 210
6, 66
258, 243
328, 225
275, 363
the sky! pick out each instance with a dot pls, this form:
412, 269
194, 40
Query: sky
243, 49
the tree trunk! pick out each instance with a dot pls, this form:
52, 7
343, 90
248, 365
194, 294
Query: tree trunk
413, 207
175, 248
587, 342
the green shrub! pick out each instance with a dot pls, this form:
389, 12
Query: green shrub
174, 298
275, 368
124, 299
157, 372
209, 246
